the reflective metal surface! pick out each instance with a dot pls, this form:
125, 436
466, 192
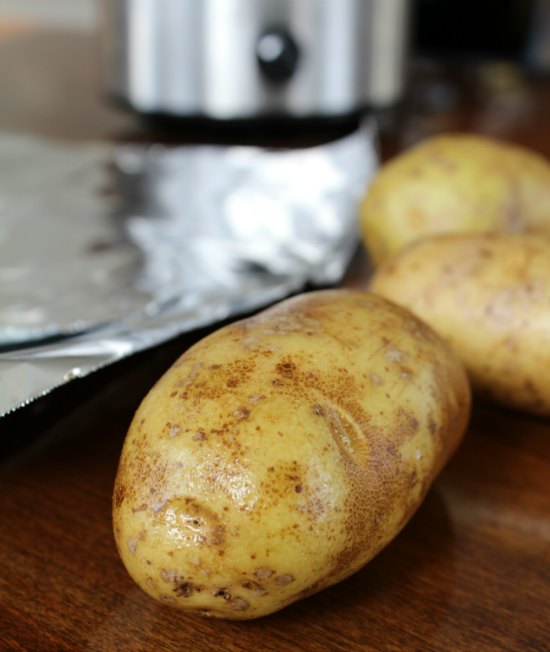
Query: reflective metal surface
106, 251
241, 59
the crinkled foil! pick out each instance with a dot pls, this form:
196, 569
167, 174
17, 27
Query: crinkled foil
105, 251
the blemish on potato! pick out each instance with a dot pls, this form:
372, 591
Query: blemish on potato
200, 435
263, 573
394, 355
241, 413
186, 589
141, 508
221, 593
239, 604
347, 433
255, 587
375, 379
283, 580
150, 582
286, 368
256, 398
119, 494
174, 430
192, 524
168, 576
132, 545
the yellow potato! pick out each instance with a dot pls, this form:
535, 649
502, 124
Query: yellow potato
455, 184
281, 453
489, 297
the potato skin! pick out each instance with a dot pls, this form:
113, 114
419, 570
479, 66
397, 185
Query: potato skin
282, 452
489, 297
455, 183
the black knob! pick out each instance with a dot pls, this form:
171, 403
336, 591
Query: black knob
277, 54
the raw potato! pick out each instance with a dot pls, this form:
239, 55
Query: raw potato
281, 453
489, 297
455, 184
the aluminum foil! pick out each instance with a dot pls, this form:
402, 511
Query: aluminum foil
105, 251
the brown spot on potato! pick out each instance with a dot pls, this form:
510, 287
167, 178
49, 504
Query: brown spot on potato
286, 368
222, 593
119, 494
186, 589
200, 435
255, 587
241, 413
141, 508
192, 522
283, 580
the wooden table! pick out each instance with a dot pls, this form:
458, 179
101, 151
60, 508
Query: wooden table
470, 572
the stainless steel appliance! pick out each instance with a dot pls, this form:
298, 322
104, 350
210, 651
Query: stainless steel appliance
246, 59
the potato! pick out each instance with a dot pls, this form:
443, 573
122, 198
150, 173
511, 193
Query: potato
455, 184
489, 297
282, 452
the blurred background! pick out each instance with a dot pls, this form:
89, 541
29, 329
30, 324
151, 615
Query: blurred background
73, 14
518, 29
461, 55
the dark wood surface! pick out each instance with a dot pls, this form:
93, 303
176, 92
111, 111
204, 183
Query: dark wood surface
470, 572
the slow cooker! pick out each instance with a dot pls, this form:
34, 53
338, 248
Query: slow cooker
248, 59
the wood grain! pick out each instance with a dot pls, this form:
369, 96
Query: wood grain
471, 571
